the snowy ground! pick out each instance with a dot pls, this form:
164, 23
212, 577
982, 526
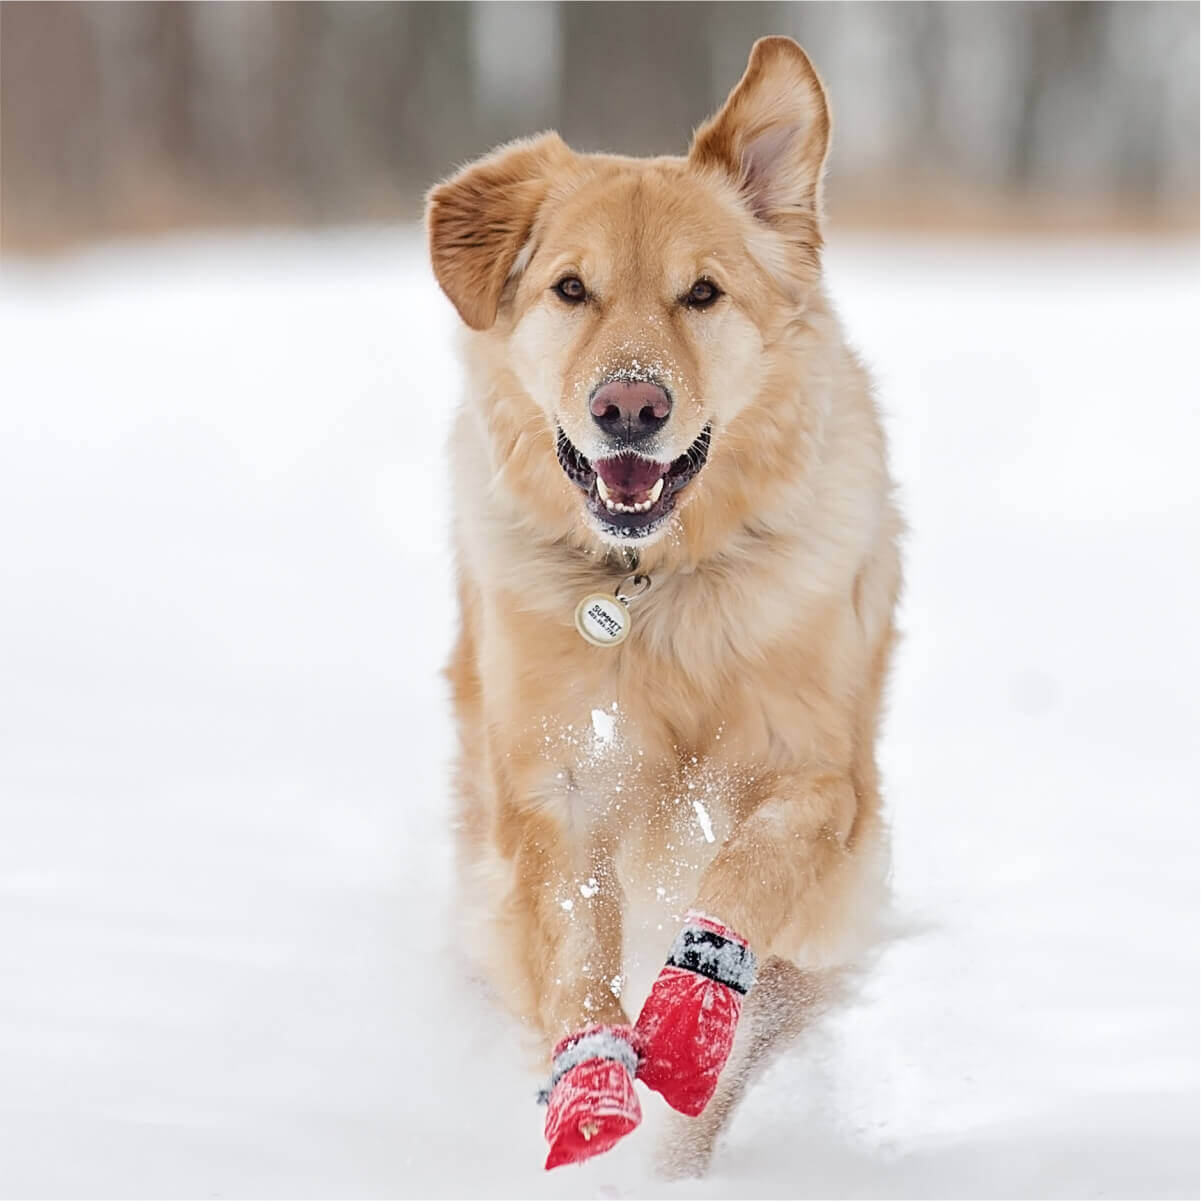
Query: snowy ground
223, 861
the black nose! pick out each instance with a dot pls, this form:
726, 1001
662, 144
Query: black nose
630, 411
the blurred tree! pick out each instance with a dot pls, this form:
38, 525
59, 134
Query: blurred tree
127, 117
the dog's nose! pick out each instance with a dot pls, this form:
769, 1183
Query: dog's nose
630, 411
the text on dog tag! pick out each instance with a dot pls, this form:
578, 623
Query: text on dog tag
602, 620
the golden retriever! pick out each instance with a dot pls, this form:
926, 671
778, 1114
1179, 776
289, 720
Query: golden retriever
663, 420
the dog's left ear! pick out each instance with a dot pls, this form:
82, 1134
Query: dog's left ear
771, 137
479, 220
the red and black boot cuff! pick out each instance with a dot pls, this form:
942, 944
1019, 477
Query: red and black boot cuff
686, 1028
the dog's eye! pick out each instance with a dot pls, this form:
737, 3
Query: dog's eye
571, 289
702, 294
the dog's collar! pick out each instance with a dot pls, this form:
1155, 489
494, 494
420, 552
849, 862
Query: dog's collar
622, 558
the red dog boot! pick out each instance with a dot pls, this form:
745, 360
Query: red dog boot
686, 1028
590, 1100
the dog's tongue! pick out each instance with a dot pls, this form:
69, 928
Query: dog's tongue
630, 475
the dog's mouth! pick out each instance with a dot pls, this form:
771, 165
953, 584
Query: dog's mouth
630, 496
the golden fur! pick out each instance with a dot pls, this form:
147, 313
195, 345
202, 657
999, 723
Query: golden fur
752, 677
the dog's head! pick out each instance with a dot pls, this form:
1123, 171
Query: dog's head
630, 308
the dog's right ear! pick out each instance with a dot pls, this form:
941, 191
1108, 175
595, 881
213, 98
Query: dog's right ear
479, 220
771, 138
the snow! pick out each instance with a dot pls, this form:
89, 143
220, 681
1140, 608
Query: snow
604, 724
223, 740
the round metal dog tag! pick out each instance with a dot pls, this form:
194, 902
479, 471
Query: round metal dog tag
602, 620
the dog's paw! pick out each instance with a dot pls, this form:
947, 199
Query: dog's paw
686, 1028
590, 1101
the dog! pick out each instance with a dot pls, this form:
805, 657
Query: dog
677, 567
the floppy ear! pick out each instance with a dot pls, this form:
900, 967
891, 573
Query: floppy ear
479, 219
771, 138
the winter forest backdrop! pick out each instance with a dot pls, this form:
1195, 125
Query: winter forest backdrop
126, 118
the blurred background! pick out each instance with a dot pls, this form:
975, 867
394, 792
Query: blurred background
123, 119
226, 383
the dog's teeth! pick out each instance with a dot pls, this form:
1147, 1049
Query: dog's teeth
617, 506
604, 492
656, 492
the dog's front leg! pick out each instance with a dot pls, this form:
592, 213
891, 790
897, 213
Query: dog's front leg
566, 909
565, 903
769, 876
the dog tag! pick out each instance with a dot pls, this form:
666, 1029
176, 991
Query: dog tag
602, 620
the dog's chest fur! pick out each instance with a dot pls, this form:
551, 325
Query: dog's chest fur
653, 757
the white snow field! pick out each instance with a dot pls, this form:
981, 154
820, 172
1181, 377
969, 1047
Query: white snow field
224, 597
